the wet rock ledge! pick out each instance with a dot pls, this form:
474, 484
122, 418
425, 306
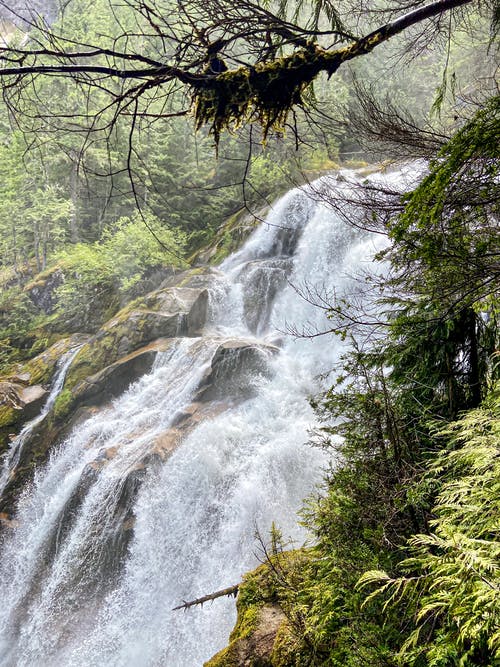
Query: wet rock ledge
108, 362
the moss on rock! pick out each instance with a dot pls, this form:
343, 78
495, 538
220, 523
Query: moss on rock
251, 643
42, 367
63, 404
8, 415
252, 640
268, 632
228, 239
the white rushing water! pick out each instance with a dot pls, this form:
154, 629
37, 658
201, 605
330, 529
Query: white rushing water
11, 457
75, 591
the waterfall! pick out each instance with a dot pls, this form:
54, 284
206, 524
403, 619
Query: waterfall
11, 457
119, 526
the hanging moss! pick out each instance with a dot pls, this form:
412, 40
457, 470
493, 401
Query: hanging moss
265, 92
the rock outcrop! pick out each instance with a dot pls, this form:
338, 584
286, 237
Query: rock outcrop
263, 635
229, 237
19, 403
114, 379
165, 313
252, 644
119, 353
233, 370
24, 391
43, 291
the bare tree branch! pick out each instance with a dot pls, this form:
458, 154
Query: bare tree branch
264, 86
226, 592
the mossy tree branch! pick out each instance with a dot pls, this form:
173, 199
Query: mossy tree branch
265, 90
268, 91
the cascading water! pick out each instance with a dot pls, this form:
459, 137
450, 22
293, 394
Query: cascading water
112, 536
12, 455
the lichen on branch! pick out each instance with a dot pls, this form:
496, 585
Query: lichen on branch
264, 93
267, 91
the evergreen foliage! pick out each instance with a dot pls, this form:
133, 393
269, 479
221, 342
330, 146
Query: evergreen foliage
448, 232
413, 427
453, 574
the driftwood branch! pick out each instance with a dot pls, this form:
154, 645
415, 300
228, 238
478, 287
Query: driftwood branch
232, 590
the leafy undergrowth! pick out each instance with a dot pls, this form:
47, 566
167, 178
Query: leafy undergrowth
404, 571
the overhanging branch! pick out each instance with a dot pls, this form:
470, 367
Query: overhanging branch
265, 91
268, 91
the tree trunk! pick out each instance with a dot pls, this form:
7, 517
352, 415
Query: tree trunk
74, 194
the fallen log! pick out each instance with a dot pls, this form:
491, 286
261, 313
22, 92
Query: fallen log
232, 590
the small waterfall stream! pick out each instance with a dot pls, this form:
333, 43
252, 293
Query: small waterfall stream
113, 533
11, 457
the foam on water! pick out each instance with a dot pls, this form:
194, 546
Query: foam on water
73, 595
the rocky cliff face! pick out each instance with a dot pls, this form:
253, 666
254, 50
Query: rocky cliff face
107, 363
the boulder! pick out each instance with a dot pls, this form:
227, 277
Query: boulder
165, 313
18, 403
232, 372
33, 399
113, 380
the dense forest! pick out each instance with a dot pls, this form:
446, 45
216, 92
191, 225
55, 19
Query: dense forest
112, 184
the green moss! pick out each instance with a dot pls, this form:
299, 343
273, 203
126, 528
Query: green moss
253, 593
225, 658
40, 371
190, 274
224, 246
101, 350
63, 404
286, 647
257, 590
265, 92
248, 620
246, 624
279, 585
92, 357
41, 278
356, 164
229, 237
42, 367
8, 415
